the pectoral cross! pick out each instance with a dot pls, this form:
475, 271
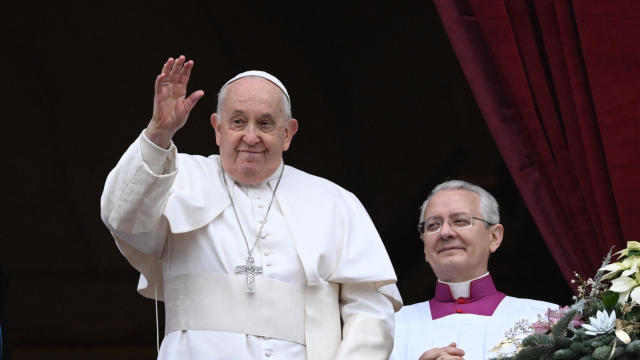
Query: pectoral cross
251, 270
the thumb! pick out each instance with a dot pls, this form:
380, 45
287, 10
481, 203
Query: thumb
191, 101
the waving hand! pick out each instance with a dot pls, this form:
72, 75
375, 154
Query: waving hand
171, 107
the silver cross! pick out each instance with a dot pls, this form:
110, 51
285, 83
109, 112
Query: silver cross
251, 270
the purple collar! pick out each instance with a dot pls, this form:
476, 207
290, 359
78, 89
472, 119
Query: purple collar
483, 299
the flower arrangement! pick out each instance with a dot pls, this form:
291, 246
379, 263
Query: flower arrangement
602, 323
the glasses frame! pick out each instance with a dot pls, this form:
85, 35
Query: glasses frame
422, 230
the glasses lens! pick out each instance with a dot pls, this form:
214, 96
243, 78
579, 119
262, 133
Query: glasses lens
461, 221
433, 225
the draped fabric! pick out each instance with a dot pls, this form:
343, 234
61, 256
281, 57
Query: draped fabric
558, 83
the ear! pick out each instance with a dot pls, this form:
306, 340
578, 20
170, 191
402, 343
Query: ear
496, 237
290, 129
216, 127
424, 249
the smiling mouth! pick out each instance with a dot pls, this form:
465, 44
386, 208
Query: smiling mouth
450, 248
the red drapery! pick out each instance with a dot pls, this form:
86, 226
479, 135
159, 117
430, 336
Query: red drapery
558, 83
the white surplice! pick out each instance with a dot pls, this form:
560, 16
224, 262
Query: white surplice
171, 217
416, 331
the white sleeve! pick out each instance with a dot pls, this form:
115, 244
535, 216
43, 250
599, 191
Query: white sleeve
368, 318
135, 194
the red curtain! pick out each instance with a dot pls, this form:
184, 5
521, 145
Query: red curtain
558, 83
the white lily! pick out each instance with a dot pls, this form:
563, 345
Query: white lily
603, 323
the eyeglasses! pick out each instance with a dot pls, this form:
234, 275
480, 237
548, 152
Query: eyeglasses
433, 224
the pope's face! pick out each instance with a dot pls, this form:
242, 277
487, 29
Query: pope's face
253, 132
457, 255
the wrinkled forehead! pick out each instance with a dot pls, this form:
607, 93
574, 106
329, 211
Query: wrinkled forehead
449, 202
253, 94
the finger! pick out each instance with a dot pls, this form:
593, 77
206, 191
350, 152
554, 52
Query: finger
454, 351
191, 101
177, 68
167, 66
186, 73
160, 83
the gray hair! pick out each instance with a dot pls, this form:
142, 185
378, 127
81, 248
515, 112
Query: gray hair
286, 103
488, 204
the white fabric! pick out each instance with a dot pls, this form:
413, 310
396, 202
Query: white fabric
416, 332
202, 302
171, 216
461, 289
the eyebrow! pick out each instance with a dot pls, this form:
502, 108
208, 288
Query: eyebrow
237, 112
265, 116
454, 214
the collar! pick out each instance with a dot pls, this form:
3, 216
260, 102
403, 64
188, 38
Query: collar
461, 289
269, 182
483, 298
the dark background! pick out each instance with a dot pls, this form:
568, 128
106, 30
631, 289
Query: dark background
383, 107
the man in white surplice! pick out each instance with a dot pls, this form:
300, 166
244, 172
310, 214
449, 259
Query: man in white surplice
460, 227
253, 258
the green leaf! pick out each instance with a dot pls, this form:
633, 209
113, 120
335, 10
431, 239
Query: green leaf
634, 347
560, 327
610, 299
634, 314
633, 252
602, 352
536, 340
564, 354
530, 353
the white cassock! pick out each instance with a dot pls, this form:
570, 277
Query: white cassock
416, 331
321, 257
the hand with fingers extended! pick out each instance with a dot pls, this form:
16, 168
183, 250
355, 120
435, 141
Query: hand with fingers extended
450, 352
171, 106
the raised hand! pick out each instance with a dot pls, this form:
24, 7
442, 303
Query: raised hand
170, 106
450, 352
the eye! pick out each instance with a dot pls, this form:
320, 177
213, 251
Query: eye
461, 222
266, 125
236, 123
432, 225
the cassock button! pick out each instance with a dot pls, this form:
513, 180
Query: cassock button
461, 301
459, 311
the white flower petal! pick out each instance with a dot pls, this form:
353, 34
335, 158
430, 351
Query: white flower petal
629, 272
622, 284
623, 296
633, 245
610, 275
501, 345
623, 336
635, 296
613, 267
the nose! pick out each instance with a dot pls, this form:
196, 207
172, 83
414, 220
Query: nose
251, 136
446, 230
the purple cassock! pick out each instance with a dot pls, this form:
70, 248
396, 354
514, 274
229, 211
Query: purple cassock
483, 299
